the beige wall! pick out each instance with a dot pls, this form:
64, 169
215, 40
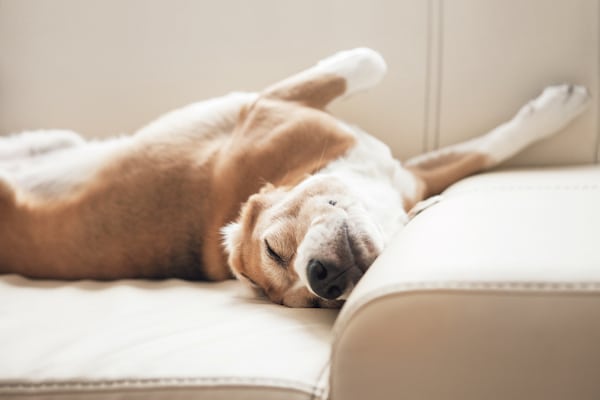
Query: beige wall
457, 68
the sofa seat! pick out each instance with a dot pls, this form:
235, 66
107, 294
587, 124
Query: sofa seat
157, 340
493, 292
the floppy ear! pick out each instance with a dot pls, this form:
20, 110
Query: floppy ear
232, 232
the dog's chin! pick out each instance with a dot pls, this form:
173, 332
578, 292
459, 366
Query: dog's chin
324, 303
309, 300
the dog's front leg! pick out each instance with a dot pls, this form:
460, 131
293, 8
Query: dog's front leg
339, 75
537, 120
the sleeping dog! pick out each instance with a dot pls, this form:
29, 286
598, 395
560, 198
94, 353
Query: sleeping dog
266, 187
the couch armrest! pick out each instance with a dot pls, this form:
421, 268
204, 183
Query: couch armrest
494, 292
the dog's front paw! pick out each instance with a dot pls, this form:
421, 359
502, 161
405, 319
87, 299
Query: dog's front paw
552, 110
361, 67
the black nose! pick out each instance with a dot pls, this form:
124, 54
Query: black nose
325, 279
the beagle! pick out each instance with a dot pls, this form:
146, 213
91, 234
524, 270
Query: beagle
265, 187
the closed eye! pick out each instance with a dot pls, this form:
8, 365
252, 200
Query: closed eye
274, 255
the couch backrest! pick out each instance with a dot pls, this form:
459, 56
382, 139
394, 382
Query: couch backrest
457, 68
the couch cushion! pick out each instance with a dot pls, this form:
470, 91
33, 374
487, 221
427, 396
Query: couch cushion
155, 340
491, 293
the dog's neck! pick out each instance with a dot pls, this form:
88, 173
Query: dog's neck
373, 175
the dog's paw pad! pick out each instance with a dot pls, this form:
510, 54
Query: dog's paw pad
553, 109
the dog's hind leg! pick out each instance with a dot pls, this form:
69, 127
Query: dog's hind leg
34, 143
339, 75
538, 119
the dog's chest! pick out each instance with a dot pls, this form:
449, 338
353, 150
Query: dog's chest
377, 179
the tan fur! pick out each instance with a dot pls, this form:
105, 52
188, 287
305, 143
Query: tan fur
437, 173
410, 199
323, 243
279, 142
283, 219
293, 213
7, 195
140, 217
316, 91
250, 259
156, 211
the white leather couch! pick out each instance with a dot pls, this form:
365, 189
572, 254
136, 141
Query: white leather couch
491, 293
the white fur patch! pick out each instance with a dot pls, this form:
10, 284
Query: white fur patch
362, 68
35, 143
230, 234
52, 162
54, 173
379, 181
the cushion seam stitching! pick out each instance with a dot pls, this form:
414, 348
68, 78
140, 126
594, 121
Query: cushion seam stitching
161, 382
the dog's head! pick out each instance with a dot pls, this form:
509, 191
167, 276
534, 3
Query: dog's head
304, 246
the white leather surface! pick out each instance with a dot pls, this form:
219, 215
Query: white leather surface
493, 292
157, 340
456, 69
